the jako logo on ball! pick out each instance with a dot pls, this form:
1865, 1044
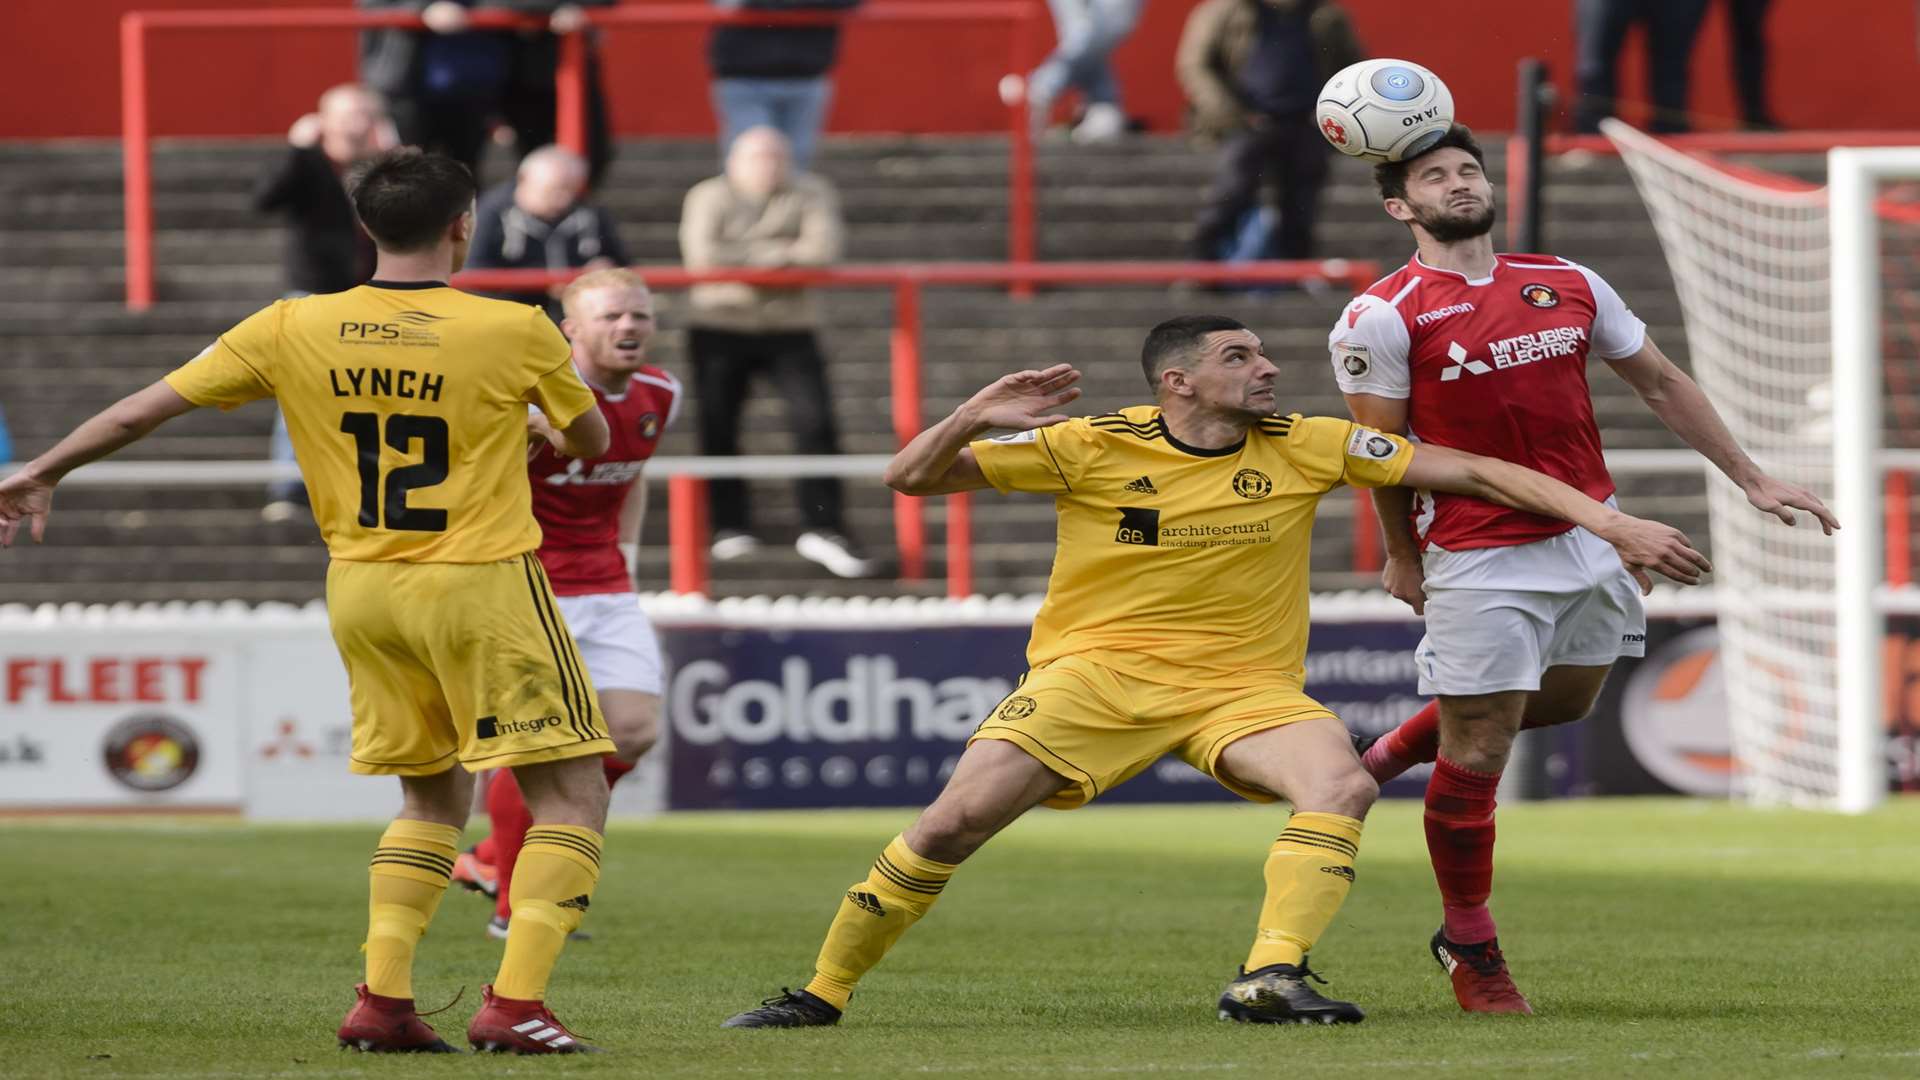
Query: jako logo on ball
1384, 110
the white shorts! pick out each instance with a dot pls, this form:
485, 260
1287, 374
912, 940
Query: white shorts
615, 640
1481, 641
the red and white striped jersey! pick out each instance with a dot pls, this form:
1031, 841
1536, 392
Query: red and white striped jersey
577, 501
1494, 366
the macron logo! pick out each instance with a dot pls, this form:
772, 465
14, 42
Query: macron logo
1427, 318
1353, 315
1460, 363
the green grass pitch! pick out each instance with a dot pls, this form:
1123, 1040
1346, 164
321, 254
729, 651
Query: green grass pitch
1655, 938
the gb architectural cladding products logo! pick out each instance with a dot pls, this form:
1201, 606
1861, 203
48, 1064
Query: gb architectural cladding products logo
1252, 484
150, 752
492, 727
1138, 525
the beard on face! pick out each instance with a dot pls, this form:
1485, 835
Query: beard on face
1447, 226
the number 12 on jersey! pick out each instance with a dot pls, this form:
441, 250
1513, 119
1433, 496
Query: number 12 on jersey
402, 431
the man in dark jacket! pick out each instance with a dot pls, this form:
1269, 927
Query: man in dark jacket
774, 76
448, 84
1252, 70
539, 222
326, 250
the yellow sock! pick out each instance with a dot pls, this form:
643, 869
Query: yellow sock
1308, 874
898, 890
406, 879
552, 883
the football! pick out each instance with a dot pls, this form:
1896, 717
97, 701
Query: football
1384, 110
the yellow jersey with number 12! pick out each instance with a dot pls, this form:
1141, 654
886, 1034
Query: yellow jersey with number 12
1181, 565
407, 406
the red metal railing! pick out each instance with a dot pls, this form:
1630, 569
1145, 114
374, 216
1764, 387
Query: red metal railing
686, 495
1021, 17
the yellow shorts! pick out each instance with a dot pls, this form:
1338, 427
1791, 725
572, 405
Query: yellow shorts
1099, 727
459, 662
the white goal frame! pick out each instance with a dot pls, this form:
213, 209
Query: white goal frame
1861, 461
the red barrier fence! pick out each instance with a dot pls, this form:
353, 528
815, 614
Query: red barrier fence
686, 495
1021, 17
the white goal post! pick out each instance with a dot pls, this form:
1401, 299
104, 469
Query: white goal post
1781, 283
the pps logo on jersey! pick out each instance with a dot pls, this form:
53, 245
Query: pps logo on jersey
1252, 484
1540, 296
400, 328
1138, 525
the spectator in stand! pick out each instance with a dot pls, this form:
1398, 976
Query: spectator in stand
1087, 32
775, 76
445, 84
1252, 70
1747, 31
1600, 32
539, 221
765, 214
326, 249
530, 106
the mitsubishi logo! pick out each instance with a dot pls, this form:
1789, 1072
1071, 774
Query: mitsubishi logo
1459, 357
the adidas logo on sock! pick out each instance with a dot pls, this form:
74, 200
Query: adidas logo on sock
867, 902
1144, 486
578, 903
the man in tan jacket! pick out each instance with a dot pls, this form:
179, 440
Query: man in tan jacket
762, 214
1252, 70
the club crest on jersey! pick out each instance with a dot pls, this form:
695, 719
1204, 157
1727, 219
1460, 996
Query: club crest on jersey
650, 425
1540, 296
1017, 708
1251, 484
1353, 358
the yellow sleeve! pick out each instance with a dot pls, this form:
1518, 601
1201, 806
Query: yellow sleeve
557, 388
1047, 460
1332, 452
237, 367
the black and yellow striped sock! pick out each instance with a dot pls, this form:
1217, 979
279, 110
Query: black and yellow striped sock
552, 883
1309, 871
406, 879
898, 890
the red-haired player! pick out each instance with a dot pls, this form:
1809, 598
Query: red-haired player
589, 512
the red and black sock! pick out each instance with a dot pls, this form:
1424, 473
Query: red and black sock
1459, 821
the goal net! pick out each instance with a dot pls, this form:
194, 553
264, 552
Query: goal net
1802, 304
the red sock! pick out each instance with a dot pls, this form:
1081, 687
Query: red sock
615, 768
1460, 842
1415, 741
511, 820
485, 851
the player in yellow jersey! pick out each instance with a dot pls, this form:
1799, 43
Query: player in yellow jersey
1175, 622
407, 404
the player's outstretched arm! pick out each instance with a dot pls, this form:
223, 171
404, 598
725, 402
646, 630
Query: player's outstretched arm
1681, 405
1403, 576
27, 496
937, 461
587, 437
1643, 545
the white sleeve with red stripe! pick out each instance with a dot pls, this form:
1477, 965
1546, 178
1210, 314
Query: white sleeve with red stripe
1369, 346
1617, 331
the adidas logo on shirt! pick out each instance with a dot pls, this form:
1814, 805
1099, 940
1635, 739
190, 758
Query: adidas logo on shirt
1144, 486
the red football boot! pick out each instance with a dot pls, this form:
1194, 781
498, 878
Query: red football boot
388, 1025
504, 1025
475, 876
1480, 980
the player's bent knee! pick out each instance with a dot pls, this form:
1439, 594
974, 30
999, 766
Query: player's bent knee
1350, 793
633, 721
444, 798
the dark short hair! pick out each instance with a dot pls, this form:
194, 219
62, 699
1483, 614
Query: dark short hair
1391, 177
1176, 339
406, 198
